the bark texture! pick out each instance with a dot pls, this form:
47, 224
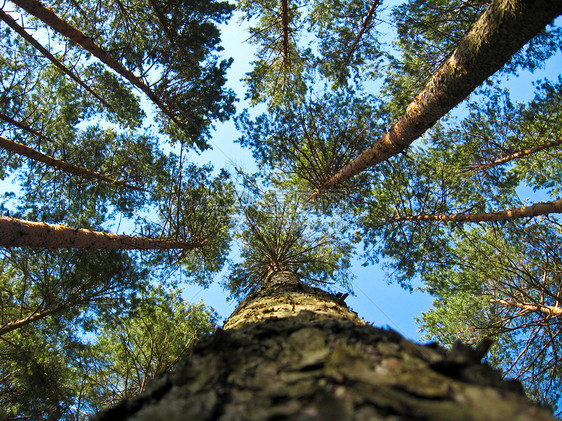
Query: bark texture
285, 33
19, 233
499, 33
319, 361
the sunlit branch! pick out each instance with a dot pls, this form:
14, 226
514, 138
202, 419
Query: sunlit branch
31, 153
552, 311
19, 233
516, 155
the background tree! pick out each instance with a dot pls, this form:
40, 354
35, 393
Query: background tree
55, 303
508, 289
46, 297
159, 330
277, 236
143, 46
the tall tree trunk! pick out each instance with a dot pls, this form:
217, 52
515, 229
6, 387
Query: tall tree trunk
499, 33
37, 9
364, 27
31, 153
25, 35
285, 33
18, 233
294, 352
515, 155
541, 208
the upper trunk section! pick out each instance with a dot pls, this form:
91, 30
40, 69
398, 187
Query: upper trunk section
284, 295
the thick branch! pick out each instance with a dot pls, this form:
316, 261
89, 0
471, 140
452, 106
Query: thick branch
516, 155
499, 33
548, 310
31, 153
19, 233
25, 35
23, 126
16, 324
542, 208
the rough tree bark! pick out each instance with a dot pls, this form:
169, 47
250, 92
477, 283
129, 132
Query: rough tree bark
285, 33
19, 233
291, 351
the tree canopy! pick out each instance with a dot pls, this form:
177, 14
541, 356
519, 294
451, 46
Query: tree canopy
383, 132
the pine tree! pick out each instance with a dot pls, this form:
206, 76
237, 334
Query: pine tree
339, 164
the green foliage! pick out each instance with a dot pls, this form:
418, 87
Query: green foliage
429, 30
280, 65
307, 142
55, 304
347, 41
132, 349
49, 371
172, 46
496, 285
541, 122
36, 380
45, 297
63, 284
449, 175
290, 60
196, 207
